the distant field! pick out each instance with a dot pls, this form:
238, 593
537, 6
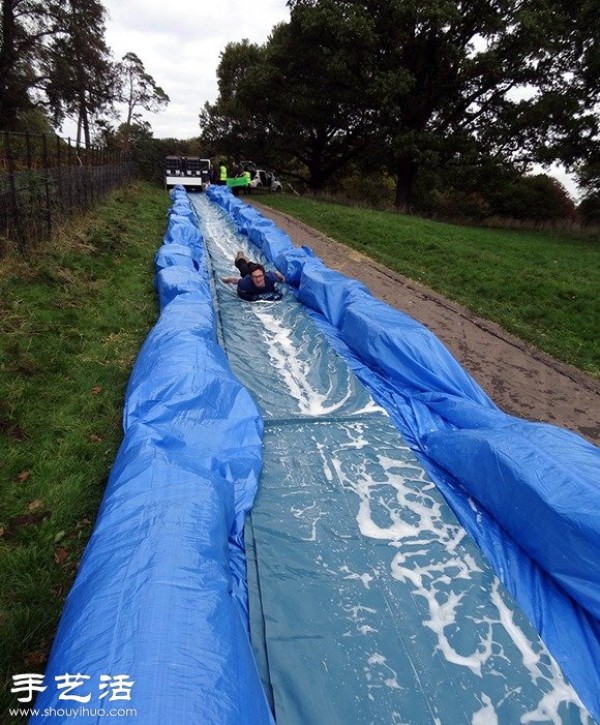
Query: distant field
543, 287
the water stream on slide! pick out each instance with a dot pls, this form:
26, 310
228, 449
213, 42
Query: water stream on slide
371, 602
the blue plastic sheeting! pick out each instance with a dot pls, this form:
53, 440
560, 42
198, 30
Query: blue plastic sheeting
369, 603
528, 493
160, 599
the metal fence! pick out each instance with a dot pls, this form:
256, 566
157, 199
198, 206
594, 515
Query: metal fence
44, 179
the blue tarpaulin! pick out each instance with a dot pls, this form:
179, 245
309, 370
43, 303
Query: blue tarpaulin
160, 600
339, 634
528, 493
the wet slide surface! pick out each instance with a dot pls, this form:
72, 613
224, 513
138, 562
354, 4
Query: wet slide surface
369, 603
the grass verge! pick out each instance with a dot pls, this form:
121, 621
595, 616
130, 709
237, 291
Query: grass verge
541, 286
72, 320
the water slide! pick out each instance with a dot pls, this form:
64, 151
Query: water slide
316, 516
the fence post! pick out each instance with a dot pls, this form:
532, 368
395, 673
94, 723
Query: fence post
14, 211
47, 176
28, 210
70, 172
59, 176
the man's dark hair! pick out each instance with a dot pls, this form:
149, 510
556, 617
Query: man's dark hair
253, 266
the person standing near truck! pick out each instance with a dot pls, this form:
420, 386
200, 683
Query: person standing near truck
222, 173
248, 176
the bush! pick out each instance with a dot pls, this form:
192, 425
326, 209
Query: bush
538, 198
375, 190
459, 205
589, 210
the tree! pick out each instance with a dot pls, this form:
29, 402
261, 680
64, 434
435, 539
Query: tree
25, 26
82, 75
53, 56
138, 90
303, 96
589, 210
588, 178
231, 126
539, 198
516, 76
316, 72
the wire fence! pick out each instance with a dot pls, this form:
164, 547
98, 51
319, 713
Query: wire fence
45, 179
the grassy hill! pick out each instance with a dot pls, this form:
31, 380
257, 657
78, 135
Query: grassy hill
543, 287
72, 319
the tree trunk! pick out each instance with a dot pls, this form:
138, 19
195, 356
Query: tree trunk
9, 96
316, 180
406, 172
84, 118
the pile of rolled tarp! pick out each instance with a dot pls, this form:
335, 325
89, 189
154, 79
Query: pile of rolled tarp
155, 625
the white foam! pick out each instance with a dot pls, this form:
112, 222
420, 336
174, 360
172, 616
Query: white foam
433, 560
379, 674
311, 513
487, 714
294, 367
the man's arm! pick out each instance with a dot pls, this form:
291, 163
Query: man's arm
230, 280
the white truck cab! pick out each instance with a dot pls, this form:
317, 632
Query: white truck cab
189, 171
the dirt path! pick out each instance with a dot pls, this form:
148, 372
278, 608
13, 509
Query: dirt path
519, 378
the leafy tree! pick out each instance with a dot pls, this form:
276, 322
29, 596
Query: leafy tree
138, 89
35, 121
538, 198
588, 177
53, 56
415, 78
477, 186
25, 26
468, 65
234, 124
589, 209
302, 97
82, 75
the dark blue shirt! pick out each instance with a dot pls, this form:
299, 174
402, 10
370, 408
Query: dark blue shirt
248, 291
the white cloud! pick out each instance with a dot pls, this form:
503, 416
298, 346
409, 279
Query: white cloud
180, 44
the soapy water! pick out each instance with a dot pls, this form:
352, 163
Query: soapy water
293, 362
395, 548
300, 374
438, 563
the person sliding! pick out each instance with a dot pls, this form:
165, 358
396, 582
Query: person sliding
255, 283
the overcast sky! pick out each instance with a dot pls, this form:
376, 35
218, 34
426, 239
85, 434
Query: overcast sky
179, 43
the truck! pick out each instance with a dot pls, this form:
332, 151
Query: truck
192, 172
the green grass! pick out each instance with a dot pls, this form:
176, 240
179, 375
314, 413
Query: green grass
72, 320
543, 287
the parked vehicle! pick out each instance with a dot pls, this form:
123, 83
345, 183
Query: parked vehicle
189, 171
265, 180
